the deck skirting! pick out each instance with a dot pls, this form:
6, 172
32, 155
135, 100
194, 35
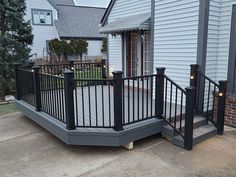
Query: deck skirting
92, 136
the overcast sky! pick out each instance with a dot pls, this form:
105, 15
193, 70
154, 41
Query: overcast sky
94, 3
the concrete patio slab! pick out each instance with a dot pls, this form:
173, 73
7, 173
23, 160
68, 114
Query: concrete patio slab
27, 150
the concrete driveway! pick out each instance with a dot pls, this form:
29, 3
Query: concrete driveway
26, 150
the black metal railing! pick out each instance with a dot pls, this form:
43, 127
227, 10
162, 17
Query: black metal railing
138, 99
210, 97
25, 86
174, 105
52, 97
94, 103
82, 70
208, 90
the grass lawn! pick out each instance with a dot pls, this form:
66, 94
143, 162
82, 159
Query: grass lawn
96, 73
7, 108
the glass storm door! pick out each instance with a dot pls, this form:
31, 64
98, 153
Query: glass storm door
134, 54
138, 52
147, 61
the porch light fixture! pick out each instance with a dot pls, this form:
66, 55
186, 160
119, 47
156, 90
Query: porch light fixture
221, 94
32, 70
72, 68
191, 77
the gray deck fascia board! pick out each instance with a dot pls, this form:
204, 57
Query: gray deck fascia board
92, 137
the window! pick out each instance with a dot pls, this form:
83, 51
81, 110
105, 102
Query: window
41, 17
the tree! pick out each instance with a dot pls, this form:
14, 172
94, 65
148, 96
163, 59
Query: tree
79, 47
61, 48
15, 38
104, 45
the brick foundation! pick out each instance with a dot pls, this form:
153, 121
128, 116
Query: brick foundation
230, 111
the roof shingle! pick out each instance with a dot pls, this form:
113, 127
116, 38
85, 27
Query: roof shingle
79, 22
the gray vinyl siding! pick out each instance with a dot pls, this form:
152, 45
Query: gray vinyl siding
213, 33
123, 8
115, 53
224, 39
175, 37
219, 39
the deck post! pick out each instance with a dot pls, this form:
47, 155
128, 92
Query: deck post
194, 80
17, 80
221, 107
104, 75
31, 64
36, 83
71, 63
69, 99
117, 77
159, 92
189, 116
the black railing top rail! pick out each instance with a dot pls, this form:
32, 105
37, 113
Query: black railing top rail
66, 64
93, 80
209, 79
175, 84
26, 69
51, 75
139, 77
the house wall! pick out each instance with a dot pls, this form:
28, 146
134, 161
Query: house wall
219, 38
176, 37
224, 39
94, 47
213, 34
123, 8
41, 33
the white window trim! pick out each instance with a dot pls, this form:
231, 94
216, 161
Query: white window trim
41, 10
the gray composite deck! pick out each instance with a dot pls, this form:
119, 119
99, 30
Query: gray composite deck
94, 124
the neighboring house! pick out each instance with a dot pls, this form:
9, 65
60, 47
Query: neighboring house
62, 19
143, 35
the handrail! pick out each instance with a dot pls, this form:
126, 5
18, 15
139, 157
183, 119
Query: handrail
210, 97
206, 97
138, 77
175, 112
175, 84
213, 82
51, 75
102, 80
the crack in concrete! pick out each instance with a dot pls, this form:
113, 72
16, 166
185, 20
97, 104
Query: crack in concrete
20, 136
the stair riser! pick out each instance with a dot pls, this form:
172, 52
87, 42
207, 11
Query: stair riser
204, 137
197, 140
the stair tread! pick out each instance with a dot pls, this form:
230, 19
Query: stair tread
195, 120
200, 131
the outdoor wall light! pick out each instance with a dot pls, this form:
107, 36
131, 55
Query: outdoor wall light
72, 68
192, 77
32, 70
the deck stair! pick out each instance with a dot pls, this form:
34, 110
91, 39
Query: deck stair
203, 130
